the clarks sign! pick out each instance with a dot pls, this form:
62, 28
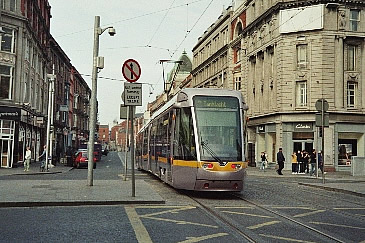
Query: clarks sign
9, 113
303, 126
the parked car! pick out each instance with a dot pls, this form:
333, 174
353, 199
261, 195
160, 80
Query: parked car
81, 159
97, 150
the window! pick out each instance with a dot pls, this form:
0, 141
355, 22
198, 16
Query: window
351, 58
2, 4
5, 81
302, 56
238, 83
7, 40
302, 93
351, 91
12, 5
354, 19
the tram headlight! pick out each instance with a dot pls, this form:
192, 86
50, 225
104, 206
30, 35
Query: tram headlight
235, 166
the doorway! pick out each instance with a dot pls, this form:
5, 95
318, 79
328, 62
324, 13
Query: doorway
5, 150
303, 145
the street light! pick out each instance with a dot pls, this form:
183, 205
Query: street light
163, 71
98, 63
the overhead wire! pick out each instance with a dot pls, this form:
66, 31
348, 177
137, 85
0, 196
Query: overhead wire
162, 20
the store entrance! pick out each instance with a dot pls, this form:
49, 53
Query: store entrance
5, 150
303, 145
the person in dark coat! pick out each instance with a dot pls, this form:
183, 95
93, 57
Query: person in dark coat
280, 159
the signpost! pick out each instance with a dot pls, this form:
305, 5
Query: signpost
322, 120
132, 96
131, 70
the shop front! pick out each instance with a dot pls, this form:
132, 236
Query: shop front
349, 143
8, 118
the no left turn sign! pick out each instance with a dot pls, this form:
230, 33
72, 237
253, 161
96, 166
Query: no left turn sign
131, 70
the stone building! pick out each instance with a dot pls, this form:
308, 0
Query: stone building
290, 55
27, 54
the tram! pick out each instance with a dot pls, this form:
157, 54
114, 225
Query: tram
196, 141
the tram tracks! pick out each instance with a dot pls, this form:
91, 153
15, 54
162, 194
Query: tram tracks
248, 234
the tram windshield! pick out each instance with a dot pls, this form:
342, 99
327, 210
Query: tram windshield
219, 128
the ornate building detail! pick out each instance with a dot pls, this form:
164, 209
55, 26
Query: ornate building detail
341, 20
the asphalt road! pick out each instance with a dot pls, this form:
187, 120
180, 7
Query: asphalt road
269, 210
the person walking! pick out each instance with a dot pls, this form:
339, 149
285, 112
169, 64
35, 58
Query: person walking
27, 157
42, 158
294, 163
263, 161
280, 159
313, 158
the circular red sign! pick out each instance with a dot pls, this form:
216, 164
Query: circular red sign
131, 70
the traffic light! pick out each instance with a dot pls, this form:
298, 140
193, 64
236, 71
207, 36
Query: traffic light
320, 132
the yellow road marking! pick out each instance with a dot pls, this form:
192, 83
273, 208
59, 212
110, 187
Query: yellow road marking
248, 214
309, 213
138, 227
201, 238
286, 239
241, 207
284, 207
168, 211
338, 225
349, 208
164, 206
181, 222
263, 224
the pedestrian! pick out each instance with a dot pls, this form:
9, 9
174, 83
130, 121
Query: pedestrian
263, 161
313, 161
280, 159
27, 157
305, 162
42, 158
320, 162
69, 156
294, 163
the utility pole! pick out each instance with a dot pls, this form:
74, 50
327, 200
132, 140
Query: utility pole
51, 78
97, 64
126, 145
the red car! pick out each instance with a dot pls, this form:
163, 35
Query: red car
81, 159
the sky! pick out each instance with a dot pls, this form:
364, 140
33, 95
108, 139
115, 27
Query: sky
146, 31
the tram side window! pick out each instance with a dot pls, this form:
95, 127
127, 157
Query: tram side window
145, 142
184, 135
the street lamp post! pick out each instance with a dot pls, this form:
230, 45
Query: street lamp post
97, 64
51, 78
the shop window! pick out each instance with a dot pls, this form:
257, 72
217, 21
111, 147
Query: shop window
351, 94
346, 149
5, 81
301, 93
354, 19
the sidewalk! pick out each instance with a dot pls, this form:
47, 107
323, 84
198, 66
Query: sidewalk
334, 181
36, 193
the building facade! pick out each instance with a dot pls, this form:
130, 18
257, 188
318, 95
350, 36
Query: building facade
28, 53
292, 54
